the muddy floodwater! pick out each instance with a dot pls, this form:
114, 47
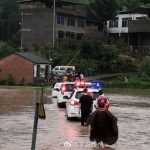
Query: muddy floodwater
17, 107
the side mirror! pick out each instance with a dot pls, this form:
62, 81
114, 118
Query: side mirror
65, 97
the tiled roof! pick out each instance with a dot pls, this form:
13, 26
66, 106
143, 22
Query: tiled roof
32, 57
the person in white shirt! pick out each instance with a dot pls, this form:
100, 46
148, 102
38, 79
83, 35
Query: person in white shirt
100, 95
81, 76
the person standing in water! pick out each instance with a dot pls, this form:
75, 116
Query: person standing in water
103, 126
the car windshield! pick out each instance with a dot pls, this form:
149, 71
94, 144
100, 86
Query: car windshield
93, 94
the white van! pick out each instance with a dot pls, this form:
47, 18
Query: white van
62, 69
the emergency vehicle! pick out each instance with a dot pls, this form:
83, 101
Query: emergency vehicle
72, 105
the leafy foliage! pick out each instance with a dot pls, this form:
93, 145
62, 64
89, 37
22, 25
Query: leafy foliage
102, 9
10, 80
144, 67
93, 55
5, 49
9, 19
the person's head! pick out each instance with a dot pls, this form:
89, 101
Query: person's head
101, 105
100, 92
85, 91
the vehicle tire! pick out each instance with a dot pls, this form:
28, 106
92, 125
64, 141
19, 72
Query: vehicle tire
58, 104
68, 118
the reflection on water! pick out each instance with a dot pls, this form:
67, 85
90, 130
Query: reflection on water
17, 116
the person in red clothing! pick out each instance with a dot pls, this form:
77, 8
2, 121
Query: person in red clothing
102, 99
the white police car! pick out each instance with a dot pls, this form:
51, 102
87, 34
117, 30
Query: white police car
72, 105
66, 89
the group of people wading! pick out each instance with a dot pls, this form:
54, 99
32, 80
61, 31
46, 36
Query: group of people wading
102, 123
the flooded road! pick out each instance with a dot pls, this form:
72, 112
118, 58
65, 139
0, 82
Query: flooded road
17, 109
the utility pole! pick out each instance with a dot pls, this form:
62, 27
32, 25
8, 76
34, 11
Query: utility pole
21, 31
48, 65
49, 59
54, 15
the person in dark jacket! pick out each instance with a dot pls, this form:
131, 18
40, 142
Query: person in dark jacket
86, 106
103, 126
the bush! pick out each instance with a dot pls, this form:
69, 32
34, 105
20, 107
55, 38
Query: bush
131, 84
10, 80
144, 67
2, 81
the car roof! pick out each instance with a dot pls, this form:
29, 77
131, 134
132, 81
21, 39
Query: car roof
58, 83
68, 82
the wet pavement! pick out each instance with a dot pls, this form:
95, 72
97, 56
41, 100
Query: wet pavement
17, 109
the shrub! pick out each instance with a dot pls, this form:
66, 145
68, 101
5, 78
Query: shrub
10, 80
2, 81
144, 67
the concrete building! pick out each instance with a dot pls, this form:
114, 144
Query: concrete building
70, 21
24, 66
131, 28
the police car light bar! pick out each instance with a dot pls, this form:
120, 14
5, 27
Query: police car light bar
96, 84
79, 83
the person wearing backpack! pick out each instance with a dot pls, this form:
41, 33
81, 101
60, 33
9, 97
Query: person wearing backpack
102, 99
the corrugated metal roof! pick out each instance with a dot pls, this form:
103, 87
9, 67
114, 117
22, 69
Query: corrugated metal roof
32, 57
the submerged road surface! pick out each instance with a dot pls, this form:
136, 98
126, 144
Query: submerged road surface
56, 133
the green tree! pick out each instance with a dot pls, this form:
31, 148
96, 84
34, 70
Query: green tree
5, 49
144, 67
102, 9
9, 19
128, 4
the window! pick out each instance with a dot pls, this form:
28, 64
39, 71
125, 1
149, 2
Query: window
38, 71
60, 20
56, 68
62, 68
69, 87
72, 93
125, 22
81, 23
93, 94
113, 24
71, 22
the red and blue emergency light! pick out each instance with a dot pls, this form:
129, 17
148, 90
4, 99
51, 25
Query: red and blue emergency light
96, 84
80, 83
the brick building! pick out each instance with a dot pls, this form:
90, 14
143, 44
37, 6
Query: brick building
24, 65
70, 21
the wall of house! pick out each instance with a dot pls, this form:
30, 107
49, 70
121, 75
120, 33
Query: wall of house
40, 22
67, 28
139, 26
17, 66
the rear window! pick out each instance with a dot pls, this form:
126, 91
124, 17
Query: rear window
69, 87
93, 94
